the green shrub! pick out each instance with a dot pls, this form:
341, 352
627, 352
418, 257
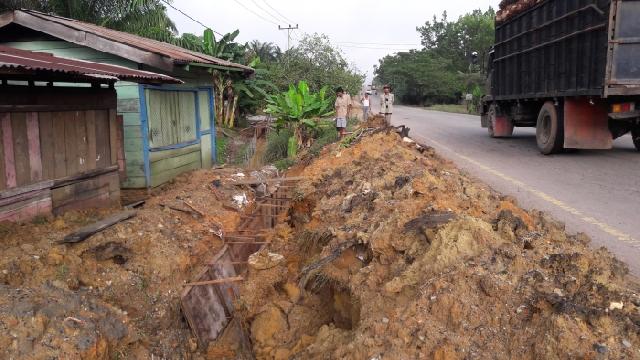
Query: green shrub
277, 145
221, 149
284, 164
325, 135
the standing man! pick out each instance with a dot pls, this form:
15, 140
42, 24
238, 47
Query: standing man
343, 107
386, 104
366, 102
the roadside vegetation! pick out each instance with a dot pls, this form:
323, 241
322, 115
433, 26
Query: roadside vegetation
444, 70
451, 108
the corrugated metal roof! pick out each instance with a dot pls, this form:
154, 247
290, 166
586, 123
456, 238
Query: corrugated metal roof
175, 53
12, 58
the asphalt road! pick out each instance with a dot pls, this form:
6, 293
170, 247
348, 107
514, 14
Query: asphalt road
595, 191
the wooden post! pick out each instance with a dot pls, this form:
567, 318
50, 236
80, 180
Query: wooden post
33, 139
9, 158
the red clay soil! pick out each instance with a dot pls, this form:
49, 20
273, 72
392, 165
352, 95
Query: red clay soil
117, 294
393, 253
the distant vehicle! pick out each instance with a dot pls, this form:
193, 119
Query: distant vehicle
369, 92
569, 69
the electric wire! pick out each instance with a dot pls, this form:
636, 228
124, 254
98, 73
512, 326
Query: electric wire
255, 13
266, 11
279, 13
189, 16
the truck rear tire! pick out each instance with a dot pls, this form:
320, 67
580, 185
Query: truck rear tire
550, 129
635, 135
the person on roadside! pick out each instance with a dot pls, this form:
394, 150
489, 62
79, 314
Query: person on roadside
366, 102
343, 107
386, 104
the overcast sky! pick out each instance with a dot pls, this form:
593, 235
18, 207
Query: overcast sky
365, 30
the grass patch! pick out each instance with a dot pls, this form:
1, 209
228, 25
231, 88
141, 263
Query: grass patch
327, 134
452, 108
284, 164
221, 149
277, 142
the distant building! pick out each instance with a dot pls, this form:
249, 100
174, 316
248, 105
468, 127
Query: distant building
168, 129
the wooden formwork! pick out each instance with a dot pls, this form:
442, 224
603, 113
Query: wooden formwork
209, 307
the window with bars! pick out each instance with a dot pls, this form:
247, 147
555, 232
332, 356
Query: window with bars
171, 116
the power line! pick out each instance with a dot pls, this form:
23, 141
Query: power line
376, 48
372, 43
255, 13
266, 11
188, 16
279, 13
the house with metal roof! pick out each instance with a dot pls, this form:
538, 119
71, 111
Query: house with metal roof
168, 129
61, 141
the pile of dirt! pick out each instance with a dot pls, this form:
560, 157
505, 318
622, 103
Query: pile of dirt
510, 8
390, 252
116, 294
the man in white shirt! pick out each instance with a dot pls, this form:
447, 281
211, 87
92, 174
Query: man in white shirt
343, 107
386, 104
366, 102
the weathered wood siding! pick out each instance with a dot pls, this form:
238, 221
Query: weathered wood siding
129, 107
54, 134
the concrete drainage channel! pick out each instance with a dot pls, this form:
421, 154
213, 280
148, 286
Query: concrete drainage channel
208, 301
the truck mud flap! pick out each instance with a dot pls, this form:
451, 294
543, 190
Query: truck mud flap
586, 125
502, 127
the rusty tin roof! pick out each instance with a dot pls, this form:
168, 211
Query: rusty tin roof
23, 62
90, 35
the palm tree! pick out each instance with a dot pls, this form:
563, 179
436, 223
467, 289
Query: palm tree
266, 51
146, 18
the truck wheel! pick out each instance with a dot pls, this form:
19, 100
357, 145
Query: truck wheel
507, 128
635, 135
550, 129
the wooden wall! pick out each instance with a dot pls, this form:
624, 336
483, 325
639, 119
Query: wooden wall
164, 165
64, 136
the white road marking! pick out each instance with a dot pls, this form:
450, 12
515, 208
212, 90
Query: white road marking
621, 236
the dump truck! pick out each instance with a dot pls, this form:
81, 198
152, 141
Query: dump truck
569, 68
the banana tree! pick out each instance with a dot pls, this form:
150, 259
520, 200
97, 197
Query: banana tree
299, 109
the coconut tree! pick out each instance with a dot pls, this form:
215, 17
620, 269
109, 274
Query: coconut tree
266, 51
146, 18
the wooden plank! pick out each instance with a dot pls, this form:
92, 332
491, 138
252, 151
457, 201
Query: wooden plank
90, 117
59, 144
33, 140
81, 139
70, 134
25, 189
113, 137
47, 147
155, 156
163, 177
21, 148
24, 98
85, 232
3, 181
128, 105
122, 162
102, 139
84, 176
27, 209
215, 282
268, 181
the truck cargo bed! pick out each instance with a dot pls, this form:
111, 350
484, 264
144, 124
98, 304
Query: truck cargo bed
556, 48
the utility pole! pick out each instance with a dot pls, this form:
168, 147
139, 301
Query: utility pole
288, 28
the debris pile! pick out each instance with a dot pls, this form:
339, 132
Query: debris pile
115, 293
390, 252
511, 8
